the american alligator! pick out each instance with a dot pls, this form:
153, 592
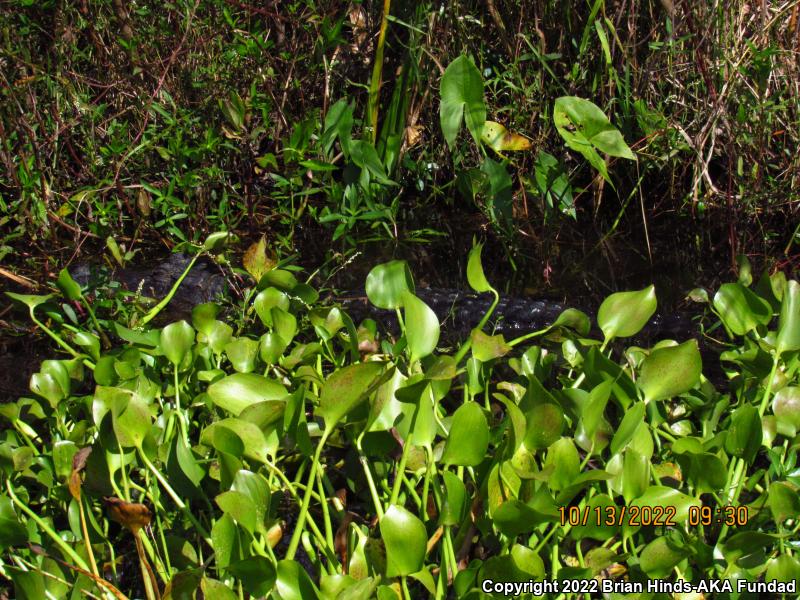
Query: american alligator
458, 311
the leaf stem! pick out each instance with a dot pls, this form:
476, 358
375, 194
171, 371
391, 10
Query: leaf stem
175, 498
301, 518
46, 528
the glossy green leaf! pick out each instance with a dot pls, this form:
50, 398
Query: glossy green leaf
271, 347
293, 582
740, 309
264, 414
405, 539
212, 588
285, 323
266, 300
595, 406
254, 444
131, 420
204, 315
786, 407
68, 286
188, 462
745, 543
475, 275
216, 241
461, 91
544, 425
627, 427
422, 327
46, 386
454, 500
585, 129
744, 433
574, 319
623, 314
513, 517
386, 408
235, 392
670, 371
789, 321
552, 182
658, 495
486, 348
635, 474
256, 573
176, 341
346, 388
12, 532
29, 300
783, 569
601, 510
563, 457
279, 278
224, 538
468, 439
660, 556
89, 342
242, 353
783, 501
387, 283
239, 507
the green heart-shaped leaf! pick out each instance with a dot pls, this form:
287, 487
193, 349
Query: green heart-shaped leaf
387, 283
176, 340
623, 314
461, 91
422, 326
346, 388
236, 392
405, 539
670, 371
469, 437
740, 309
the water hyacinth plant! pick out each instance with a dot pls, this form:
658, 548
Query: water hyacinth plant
285, 451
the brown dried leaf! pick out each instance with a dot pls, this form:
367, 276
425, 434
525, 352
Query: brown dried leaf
130, 515
80, 458
75, 484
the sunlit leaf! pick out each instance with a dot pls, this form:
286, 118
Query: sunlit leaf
789, 322
256, 261
387, 283
235, 392
461, 91
346, 388
176, 340
499, 139
475, 275
468, 439
623, 314
670, 371
585, 129
422, 326
406, 540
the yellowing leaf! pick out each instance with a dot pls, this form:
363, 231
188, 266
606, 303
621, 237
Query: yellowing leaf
500, 139
256, 261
